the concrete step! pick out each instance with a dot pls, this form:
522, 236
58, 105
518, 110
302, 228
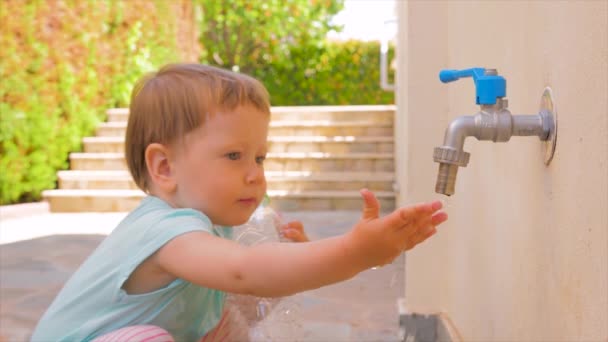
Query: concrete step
62, 200
95, 179
125, 200
362, 127
335, 144
313, 151
375, 113
291, 161
284, 181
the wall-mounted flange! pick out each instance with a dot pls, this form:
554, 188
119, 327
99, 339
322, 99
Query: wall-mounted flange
548, 111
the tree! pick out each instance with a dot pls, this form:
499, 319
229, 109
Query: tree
244, 34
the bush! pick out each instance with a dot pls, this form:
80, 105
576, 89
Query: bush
61, 64
244, 34
331, 73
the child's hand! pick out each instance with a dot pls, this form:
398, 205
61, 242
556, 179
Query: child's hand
293, 231
380, 240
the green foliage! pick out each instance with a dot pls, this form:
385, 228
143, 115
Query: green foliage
61, 64
331, 73
245, 35
282, 43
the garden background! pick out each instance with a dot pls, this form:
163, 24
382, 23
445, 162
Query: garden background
64, 62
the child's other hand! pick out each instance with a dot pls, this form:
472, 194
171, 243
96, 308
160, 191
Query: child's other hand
381, 240
294, 231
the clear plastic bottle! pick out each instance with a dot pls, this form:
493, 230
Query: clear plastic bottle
263, 226
270, 319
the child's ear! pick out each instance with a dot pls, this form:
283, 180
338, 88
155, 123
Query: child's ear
159, 167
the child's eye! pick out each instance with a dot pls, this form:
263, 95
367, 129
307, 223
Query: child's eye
260, 159
234, 155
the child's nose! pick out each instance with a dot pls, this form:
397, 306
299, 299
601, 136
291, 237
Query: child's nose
255, 174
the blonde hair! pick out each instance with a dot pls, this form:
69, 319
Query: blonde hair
167, 104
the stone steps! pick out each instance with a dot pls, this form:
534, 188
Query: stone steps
290, 161
277, 180
333, 144
319, 158
289, 128
383, 114
104, 200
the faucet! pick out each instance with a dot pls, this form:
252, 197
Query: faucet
493, 122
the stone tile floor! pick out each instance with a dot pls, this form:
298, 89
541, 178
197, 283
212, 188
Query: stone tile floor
40, 250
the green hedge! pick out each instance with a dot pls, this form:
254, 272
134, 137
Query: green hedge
332, 73
62, 63
245, 35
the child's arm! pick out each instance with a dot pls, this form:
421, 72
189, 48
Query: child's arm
278, 269
249, 306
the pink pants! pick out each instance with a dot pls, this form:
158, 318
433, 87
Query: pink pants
228, 329
137, 333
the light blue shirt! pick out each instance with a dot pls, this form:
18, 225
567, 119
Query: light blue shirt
92, 302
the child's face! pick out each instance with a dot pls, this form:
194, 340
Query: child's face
220, 170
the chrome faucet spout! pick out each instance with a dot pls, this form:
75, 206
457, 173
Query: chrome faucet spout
451, 155
458, 130
493, 122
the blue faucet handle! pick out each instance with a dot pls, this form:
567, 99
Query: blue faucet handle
450, 75
487, 87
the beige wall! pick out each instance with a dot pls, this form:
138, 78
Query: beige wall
524, 255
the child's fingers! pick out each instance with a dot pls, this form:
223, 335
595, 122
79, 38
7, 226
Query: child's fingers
295, 235
422, 229
291, 233
410, 215
371, 205
294, 231
419, 227
426, 217
297, 225
439, 218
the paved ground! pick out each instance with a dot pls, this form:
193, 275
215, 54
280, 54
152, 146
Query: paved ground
39, 251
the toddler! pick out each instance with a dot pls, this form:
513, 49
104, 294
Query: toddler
196, 142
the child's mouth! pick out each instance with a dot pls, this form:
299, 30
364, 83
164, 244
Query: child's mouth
247, 201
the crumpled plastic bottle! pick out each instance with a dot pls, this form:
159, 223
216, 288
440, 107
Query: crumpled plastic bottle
263, 226
269, 319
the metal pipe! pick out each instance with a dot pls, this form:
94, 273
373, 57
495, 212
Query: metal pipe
530, 125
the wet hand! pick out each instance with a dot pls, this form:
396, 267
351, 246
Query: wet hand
379, 240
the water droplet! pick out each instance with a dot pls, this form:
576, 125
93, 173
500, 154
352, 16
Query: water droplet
446, 202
